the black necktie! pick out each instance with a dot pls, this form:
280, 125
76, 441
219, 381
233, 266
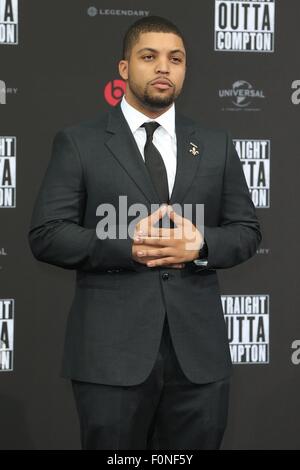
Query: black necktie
155, 164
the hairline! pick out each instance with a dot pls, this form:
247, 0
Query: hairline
137, 35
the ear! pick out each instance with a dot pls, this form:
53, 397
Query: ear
123, 69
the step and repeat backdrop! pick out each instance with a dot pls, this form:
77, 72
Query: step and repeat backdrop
58, 66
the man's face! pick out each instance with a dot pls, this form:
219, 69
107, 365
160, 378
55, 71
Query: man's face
155, 71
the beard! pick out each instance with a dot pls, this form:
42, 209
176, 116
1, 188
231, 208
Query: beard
152, 100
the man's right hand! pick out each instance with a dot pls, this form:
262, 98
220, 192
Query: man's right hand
143, 227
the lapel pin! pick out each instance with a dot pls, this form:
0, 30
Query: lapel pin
193, 149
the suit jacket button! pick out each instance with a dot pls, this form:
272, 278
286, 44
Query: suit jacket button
165, 276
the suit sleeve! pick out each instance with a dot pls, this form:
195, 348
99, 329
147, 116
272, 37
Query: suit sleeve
56, 234
238, 235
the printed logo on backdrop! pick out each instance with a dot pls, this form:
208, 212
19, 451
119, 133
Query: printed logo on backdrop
94, 11
8, 149
244, 26
247, 321
114, 91
255, 158
296, 94
9, 22
296, 352
242, 95
4, 91
263, 251
2, 254
7, 315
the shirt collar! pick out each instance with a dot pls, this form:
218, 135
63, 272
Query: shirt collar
135, 118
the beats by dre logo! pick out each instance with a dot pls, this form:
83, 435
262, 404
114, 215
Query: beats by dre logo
113, 91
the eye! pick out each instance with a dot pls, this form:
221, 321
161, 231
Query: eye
176, 59
148, 57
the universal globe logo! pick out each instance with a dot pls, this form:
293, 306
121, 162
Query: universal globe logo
242, 90
242, 94
92, 11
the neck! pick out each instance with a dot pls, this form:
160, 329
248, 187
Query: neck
142, 108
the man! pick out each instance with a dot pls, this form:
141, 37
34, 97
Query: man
146, 345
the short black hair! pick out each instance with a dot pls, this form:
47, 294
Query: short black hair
149, 24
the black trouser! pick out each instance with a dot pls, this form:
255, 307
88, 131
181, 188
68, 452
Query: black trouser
165, 412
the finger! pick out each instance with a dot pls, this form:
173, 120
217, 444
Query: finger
154, 252
162, 261
158, 233
174, 216
143, 247
177, 218
158, 214
151, 241
143, 260
145, 225
146, 233
160, 241
154, 233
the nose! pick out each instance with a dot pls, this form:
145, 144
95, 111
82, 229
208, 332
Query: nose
162, 66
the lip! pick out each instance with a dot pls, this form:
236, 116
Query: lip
161, 84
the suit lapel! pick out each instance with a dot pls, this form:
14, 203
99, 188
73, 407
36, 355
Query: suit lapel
187, 163
123, 146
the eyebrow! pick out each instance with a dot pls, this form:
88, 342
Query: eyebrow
155, 50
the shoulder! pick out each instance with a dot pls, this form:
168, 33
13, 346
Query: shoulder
206, 133
87, 127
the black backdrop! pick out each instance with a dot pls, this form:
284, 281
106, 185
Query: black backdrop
66, 54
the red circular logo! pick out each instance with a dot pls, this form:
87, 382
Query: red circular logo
113, 91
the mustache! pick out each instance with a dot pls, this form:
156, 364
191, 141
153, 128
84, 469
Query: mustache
164, 79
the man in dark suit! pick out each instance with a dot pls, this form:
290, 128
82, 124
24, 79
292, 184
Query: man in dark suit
146, 345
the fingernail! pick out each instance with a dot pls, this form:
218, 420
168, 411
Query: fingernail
140, 253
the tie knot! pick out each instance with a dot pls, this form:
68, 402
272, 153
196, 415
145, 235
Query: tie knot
150, 128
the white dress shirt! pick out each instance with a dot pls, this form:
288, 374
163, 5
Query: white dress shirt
164, 138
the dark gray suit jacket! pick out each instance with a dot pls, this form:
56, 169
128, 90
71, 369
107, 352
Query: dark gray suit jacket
116, 318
